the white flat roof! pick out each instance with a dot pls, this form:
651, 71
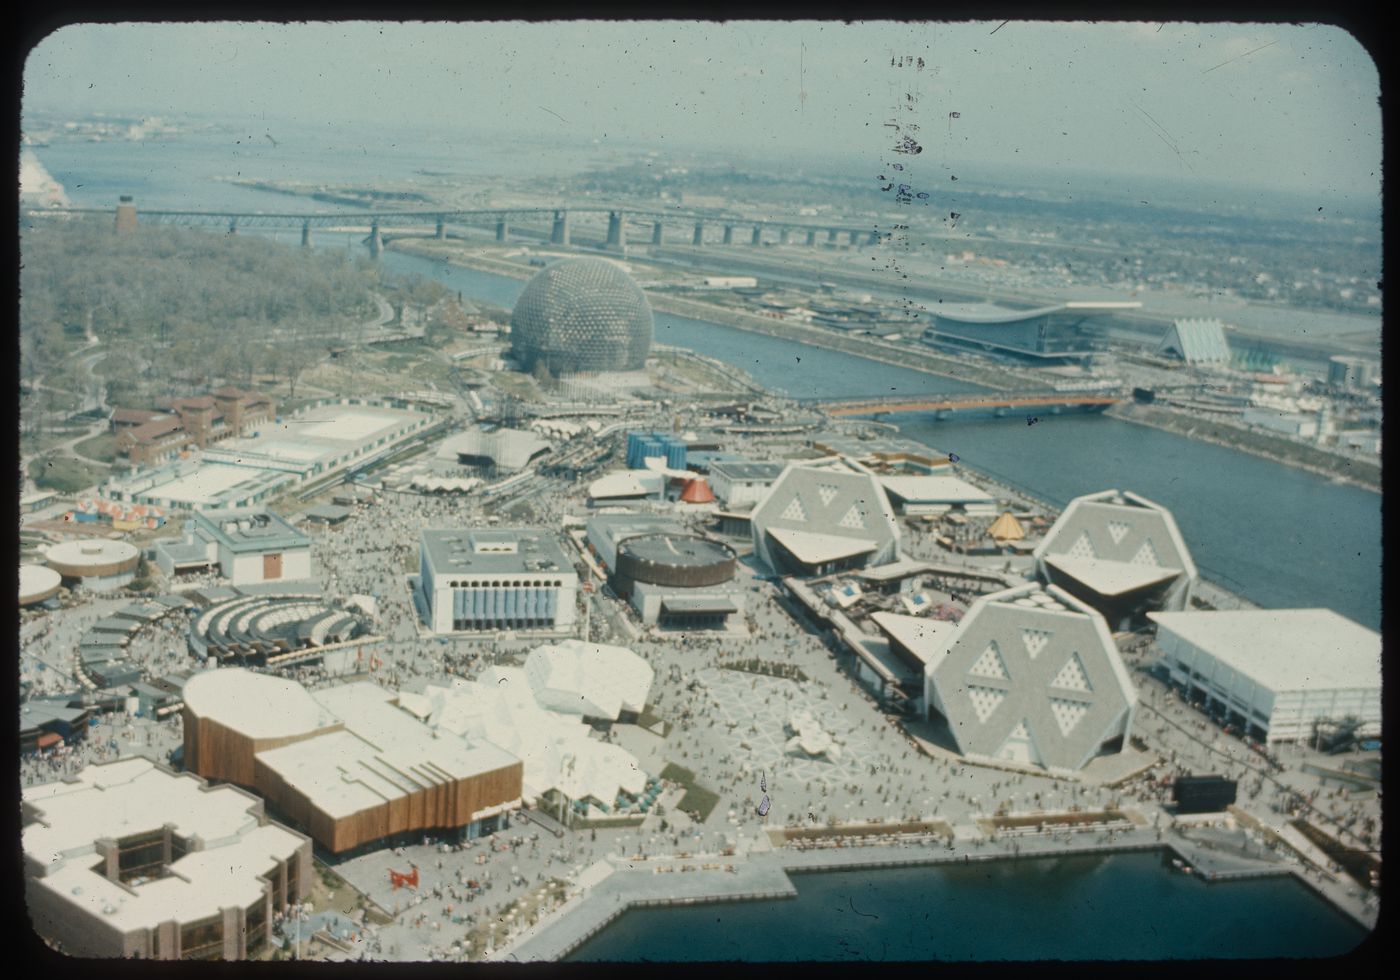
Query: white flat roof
134, 797
593, 679
927, 639
36, 579
1111, 577
91, 551
1284, 649
209, 484
936, 489
383, 753
257, 705
814, 549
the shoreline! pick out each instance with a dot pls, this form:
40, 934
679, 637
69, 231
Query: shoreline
571, 925
798, 333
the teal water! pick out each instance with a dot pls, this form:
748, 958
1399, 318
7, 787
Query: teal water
1126, 906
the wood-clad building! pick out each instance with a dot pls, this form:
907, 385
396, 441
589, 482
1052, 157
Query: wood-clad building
345, 764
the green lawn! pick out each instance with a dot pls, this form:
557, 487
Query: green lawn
102, 446
64, 474
696, 797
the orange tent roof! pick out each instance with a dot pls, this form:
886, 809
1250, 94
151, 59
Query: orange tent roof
1007, 528
698, 492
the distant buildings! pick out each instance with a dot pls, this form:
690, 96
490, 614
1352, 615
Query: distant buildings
149, 437
824, 516
1032, 676
583, 314
128, 859
1196, 342
495, 580
1121, 554
1044, 335
1274, 673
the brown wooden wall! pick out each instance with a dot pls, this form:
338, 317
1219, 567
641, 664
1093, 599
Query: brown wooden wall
453, 803
216, 751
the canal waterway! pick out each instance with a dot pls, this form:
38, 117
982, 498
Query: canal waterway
1123, 906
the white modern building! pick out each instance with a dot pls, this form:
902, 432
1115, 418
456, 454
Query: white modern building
512, 578
1276, 671
97, 564
129, 859
1120, 553
558, 750
248, 546
739, 483
1031, 676
1196, 341
938, 495
824, 516
592, 680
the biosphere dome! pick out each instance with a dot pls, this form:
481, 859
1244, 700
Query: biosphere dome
581, 315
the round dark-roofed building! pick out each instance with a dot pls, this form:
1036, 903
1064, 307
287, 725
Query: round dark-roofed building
583, 314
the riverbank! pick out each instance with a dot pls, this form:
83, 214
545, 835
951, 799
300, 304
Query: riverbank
1360, 473
611, 889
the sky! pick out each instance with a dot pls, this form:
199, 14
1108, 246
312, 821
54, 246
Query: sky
1282, 106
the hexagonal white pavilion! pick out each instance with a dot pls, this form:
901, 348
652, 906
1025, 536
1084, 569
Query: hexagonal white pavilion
1031, 675
1120, 553
589, 679
822, 516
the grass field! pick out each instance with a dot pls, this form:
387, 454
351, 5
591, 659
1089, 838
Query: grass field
64, 474
102, 446
697, 797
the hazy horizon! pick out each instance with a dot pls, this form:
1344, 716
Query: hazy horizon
1293, 107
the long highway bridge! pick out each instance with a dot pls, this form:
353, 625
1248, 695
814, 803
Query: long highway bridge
435, 223
999, 403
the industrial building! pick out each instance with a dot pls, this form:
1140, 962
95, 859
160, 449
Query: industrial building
346, 763
96, 564
1352, 373
330, 436
247, 546
1121, 554
1275, 672
583, 314
642, 446
495, 580
915, 495
1044, 335
1031, 675
824, 516
128, 859
738, 483
1195, 342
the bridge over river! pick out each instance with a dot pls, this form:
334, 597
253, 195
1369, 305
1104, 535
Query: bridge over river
557, 219
999, 403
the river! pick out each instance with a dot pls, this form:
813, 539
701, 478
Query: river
1123, 906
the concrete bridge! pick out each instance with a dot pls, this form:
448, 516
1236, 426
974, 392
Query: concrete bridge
624, 224
941, 406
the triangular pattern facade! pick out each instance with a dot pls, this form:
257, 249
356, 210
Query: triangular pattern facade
985, 700
1147, 555
1035, 641
794, 511
1067, 713
1117, 530
1083, 547
854, 519
827, 492
1072, 676
990, 664
1020, 746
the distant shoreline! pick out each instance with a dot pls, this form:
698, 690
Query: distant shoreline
1186, 428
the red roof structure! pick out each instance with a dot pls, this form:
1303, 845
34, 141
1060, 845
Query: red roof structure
697, 491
